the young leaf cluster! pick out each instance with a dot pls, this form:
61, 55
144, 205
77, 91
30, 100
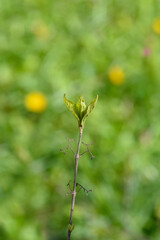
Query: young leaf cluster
79, 109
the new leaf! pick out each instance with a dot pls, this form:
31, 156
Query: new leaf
80, 110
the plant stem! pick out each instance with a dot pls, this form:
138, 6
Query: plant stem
75, 181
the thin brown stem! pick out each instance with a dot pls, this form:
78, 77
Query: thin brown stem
84, 189
77, 156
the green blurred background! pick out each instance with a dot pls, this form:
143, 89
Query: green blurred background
56, 47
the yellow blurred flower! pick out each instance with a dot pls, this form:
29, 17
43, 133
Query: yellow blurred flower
156, 26
42, 31
116, 75
36, 102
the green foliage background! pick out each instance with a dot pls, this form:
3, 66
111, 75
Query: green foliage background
59, 47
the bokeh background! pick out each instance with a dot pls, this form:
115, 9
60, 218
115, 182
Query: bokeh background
80, 47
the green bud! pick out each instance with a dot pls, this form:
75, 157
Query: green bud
80, 110
70, 227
